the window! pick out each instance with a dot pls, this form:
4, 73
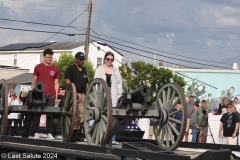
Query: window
15, 60
41, 58
99, 62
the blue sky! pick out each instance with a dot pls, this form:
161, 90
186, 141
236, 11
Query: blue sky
195, 31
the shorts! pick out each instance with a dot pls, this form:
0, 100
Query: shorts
188, 125
203, 131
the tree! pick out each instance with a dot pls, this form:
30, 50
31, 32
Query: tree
67, 59
139, 73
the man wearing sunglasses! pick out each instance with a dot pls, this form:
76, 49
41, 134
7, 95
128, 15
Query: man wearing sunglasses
78, 75
229, 125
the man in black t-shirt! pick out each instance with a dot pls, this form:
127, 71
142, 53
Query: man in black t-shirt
229, 124
78, 75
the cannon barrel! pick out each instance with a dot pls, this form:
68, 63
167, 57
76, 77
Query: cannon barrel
39, 87
139, 94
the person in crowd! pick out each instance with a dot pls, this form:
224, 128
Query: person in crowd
178, 117
236, 104
78, 75
49, 75
111, 75
224, 104
224, 110
238, 115
214, 111
201, 121
194, 128
13, 117
190, 110
150, 130
229, 125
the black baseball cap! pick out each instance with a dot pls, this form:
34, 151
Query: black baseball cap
80, 55
204, 101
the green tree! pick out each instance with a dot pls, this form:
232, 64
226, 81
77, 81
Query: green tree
67, 59
139, 73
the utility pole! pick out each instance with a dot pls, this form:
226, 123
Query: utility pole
154, 61
86, 47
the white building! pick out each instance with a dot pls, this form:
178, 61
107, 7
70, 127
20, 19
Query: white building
28, 55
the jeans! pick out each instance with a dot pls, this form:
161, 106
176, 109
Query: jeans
194, 134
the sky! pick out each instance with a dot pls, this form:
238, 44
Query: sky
195, 34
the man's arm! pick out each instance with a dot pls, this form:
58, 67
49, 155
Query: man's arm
220, 129
56, 85
34, 81
86, 87
67, 81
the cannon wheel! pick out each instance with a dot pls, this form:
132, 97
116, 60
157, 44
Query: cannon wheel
167, 98
98, 108
3, 107
69, 108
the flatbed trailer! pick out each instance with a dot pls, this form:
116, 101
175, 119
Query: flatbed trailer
28, 148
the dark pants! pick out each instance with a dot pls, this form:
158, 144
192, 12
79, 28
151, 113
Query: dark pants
35, 118
50, 101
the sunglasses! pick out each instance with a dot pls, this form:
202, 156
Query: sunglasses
109, 59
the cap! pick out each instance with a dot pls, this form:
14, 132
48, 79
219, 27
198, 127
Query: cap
204, 101
80, 55
236, 98
214, 109
25, 92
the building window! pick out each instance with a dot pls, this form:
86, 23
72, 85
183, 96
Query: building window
99, 62
15, 60
41, 58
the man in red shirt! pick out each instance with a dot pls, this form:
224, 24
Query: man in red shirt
49, 75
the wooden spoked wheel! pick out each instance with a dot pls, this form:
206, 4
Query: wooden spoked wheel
98, 109
3, 107
165, 128
68, 119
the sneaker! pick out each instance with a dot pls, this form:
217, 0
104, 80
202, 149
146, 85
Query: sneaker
36, 136
50, 137
114, 143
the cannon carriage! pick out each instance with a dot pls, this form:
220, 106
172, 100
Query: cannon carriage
36, 104
108, 120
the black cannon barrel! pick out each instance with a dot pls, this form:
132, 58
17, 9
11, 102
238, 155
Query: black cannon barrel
39, 87
139, 94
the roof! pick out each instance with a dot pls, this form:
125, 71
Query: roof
25, 77
6, 73
61, 46
22, 46
43, 46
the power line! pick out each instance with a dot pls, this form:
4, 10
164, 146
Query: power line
149, 37
66, 26
149, 57
167, 19
156, 49
38, 4
46, 24
124, 23
31, 30
136, 30
158, 54
103, 50
25, 9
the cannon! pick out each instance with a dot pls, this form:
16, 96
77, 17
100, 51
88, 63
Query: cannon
108, 121
36, 104
37, 97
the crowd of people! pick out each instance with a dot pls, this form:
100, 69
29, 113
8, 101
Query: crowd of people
229, 122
